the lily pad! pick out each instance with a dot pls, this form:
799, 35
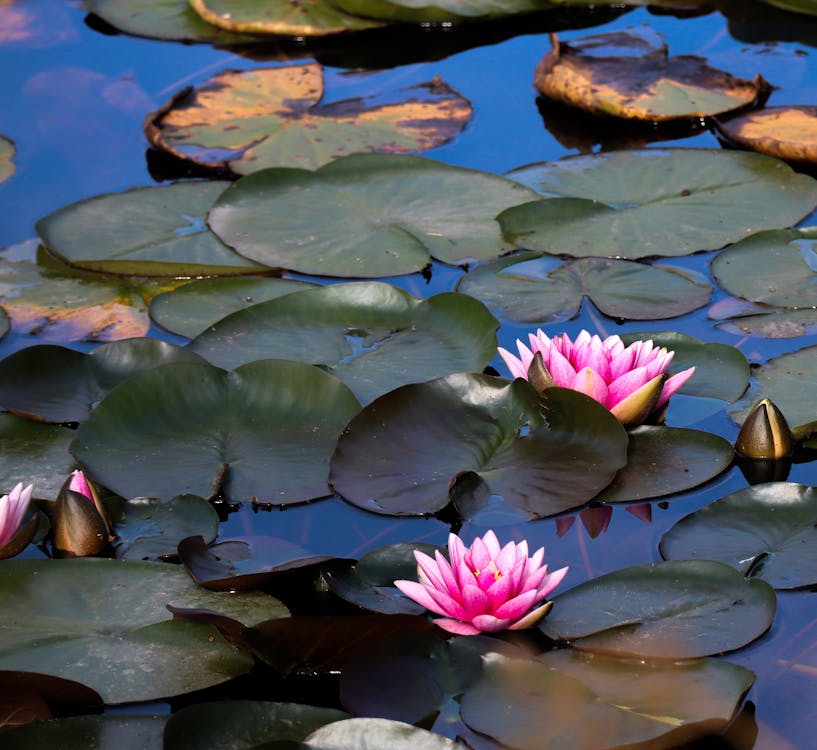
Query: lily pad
35, 453
775, 324
264, 431
151, 231
437, 11
6, 155
405, 452
376, 733
630, 75
193, 308
578, 700
671, 610
808, 7
106, 732
147, 528
372, 336
665, 460
529, 289
5, 323
633, 204
788, 133
247, 120
721, 371
767, 531
366, 215
55, 384
280, 18
116, 624
243, 724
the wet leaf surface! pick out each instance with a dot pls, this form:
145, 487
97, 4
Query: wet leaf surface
788, 133
105, 732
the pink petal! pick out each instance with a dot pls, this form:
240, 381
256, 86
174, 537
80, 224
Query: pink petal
489, 623
594, 357
622, 362
80, 484
590, 382
560, 369
507, 557
419, 594
500, 592
626, 385
449, 605
427, 569
492, 543
672, 385
447, 575
457, 627
475, 602
539, 342
479, 554
514, 608
456, 554
552, 581
517, 366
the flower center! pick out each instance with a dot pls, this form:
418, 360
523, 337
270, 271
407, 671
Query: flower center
490, 568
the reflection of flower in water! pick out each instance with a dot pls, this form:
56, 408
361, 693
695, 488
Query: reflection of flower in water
596, 520
484, 587
36, 24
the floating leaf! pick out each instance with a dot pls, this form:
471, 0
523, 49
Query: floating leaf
404, 453
670, 610
630, 75
280, 17
6, 155
55, 384
264, 431
665, 460
106, 732
532, 290
366, 215
243, 725
788, 133
376, 733
372, 336
5, 323
583, 701
272, 117
437, 11
193, 308
152, 231
721, 371
775, 324
767, 531
116, 623
632, 204
808, 7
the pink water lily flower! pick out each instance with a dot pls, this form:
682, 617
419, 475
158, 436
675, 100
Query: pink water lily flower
631, 381
484, 588
12, 509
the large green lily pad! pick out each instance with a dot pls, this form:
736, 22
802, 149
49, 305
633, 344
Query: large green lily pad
721, 371
193, 308
272, 117
366, 215
671, 610
665, 460
438, 11
582, 701
535, 289
264, 431
404, 452
152, 231
372, 336
768, 531
106, 732
55, 384
6, 155
116, 623
675, 201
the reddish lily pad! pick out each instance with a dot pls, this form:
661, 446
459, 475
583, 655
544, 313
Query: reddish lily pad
27, 697
6, 156
788, 133
628, 75
272, 117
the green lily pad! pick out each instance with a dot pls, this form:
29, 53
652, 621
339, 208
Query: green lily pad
578, 700
674, 201
665, 460
767, 531
95, 620
6, 154
437, 11
372, 336
55, 384
404, 453
106, 732
34, 453
366, 215
742, 318
193, 308
243, 724
264, 431
671, 610
529, 289
360, 734
808, 7
152, 231
777, 268
5, 323
149, 529
721, 371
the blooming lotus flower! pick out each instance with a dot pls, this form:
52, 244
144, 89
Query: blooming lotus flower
12, 509
484, 588
630, 381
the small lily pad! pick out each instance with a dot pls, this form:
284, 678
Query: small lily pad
6, 156
788, 133
671, 610
529, 289
775, 324
246, 120
372, 336
674, 201
366, 215
768, 531
151, 231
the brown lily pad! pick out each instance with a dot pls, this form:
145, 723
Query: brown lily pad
244, 121
631, 76
789, 133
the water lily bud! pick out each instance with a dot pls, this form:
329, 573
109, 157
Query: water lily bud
765, 433
14, 535
80, 525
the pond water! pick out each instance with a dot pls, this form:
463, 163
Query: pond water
74, 98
